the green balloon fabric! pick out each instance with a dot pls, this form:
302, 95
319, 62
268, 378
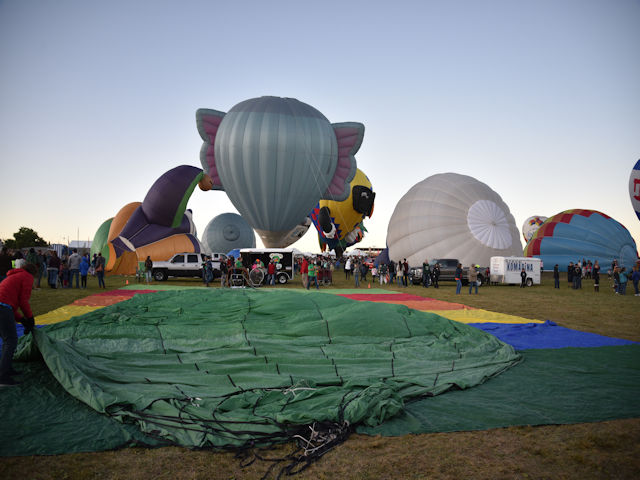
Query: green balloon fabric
551, 386
234, 368
40, 418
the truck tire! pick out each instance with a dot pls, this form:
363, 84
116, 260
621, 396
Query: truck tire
160, 275
282, 278
529, 282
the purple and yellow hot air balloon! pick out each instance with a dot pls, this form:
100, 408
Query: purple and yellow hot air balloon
159, 226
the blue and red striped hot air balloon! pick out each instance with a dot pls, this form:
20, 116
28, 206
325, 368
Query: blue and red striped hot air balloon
573, 235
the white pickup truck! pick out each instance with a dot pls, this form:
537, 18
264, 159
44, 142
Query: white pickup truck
186, 265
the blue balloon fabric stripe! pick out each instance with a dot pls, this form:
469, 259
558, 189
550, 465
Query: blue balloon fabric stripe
546, 335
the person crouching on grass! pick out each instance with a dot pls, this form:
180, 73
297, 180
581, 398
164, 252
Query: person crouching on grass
15, 292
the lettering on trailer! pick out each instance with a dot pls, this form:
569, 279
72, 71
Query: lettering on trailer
518, 265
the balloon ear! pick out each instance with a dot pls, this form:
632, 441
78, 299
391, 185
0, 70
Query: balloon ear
349, 136
208, 121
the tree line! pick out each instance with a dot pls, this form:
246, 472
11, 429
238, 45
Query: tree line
25, 237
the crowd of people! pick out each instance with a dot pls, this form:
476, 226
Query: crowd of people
383, 273
314, 270
619, 276
58, 271
358, 269
71, 271
399, 273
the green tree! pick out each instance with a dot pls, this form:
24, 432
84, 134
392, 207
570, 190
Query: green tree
25, 237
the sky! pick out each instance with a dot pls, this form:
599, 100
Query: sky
539, 100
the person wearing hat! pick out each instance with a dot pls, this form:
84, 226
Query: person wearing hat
15, 292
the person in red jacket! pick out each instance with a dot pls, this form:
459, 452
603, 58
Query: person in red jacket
271, 271
304, 272
15, 292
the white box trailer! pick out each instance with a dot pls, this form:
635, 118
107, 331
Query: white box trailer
507, 270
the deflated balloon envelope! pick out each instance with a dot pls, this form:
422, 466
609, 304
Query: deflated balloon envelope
449, 215
574, 235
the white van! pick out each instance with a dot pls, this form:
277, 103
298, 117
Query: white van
507, 270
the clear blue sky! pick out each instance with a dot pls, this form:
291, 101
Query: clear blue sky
539, 100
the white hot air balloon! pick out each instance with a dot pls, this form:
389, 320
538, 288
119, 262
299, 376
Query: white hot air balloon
531, 225
452, 216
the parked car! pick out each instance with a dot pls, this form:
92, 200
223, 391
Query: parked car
447, 272
186, 264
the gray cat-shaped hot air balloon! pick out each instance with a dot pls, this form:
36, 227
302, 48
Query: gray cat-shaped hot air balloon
276, 158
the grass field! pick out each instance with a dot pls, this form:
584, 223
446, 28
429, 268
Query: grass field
605, 450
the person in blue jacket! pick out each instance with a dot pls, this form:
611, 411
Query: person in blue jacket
622, 287
84, 270
458, 278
